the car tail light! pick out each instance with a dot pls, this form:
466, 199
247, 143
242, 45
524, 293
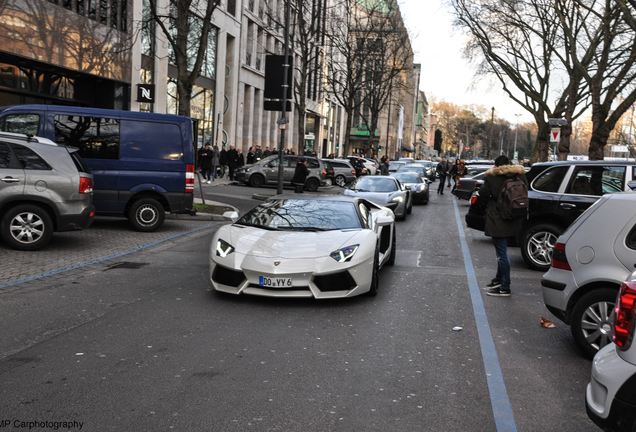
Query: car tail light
189, 178
559, 259
625, 312
353, 171
85, 185
473, 200
324, 172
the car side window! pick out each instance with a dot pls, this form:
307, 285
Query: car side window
24, 123
5, 156
630, 240
29, 159
312, 163
596, 180
96, 137
550, 180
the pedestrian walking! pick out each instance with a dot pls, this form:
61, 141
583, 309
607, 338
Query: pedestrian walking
300, 175
458, 171
504, 194
216, 159
205, 162
442, 171
384, 165
233, 161
251, 155
223, 160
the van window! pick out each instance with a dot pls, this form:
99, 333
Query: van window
151, 140
96, 137
630, 240
29, 159
24, 123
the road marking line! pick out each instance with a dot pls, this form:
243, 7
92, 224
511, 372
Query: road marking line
419, 259
501, 406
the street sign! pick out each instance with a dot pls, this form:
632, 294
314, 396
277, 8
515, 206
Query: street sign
619, 149
555, 135
557, 122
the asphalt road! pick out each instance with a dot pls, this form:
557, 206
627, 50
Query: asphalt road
151, 349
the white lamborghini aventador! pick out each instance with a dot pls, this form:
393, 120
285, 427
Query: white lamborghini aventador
321, 247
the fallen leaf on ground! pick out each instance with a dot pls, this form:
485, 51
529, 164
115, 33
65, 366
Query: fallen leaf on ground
546, 323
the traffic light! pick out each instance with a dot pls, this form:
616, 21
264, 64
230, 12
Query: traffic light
438, 140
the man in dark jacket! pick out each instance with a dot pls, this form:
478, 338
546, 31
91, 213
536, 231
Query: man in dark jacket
300, 175
233, 161
497, 227
223, 160
442, 171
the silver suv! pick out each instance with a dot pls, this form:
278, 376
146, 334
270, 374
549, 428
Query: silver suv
590, 260
265, 172
43, 188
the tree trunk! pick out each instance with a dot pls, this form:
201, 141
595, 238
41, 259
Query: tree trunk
346, 147
542, 146
184, 94
600, 135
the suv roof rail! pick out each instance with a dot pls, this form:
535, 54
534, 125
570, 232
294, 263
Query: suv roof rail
27, 138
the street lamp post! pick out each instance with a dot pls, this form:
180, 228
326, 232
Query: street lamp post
514, 150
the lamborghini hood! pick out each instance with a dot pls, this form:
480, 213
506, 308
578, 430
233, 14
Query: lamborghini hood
287, 244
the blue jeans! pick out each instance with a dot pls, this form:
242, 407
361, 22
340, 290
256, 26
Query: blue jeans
503, 263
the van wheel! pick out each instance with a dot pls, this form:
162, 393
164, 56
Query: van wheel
537, 244
312, 185
146, 214
591, 320
27, 227
257, 180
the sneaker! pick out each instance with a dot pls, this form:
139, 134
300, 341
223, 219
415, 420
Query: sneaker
493, 284
209, 182
499, 292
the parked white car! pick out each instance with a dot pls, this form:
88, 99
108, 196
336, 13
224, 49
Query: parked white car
611, 394
589, 263
321, 247
372, 166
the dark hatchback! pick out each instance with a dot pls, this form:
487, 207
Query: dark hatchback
559, 192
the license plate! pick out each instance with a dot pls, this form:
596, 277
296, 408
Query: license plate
274, 282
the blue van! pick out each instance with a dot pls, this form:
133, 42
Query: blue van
142, 163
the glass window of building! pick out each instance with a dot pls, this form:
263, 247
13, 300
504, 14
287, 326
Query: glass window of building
202, 109
147, 30
103, 11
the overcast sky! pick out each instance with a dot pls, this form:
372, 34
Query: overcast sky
446, 74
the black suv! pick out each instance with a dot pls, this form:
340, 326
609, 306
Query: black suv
559, 192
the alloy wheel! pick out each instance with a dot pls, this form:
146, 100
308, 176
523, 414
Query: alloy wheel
540, 246
26, 227
596, 324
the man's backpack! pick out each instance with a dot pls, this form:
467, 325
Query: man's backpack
513, 200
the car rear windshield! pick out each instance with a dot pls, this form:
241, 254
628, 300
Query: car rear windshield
78, 162
376, 184
303, 215
408, 177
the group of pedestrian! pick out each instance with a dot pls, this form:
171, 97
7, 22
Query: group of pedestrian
214, 163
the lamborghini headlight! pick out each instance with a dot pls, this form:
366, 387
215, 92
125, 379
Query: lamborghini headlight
223, 248
398, 199
345, 254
